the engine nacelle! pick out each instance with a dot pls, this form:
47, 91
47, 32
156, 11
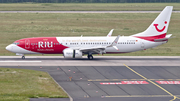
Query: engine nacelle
70, 53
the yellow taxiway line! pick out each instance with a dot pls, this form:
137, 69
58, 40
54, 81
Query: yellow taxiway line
175, 97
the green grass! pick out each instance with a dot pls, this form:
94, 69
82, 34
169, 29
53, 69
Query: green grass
15, 26
86, 6
20, 85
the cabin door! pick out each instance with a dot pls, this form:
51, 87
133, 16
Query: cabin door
27, 44
142, 44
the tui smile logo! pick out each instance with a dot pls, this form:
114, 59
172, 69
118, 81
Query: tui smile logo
160, 30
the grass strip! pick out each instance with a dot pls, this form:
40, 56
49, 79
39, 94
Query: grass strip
86, 6
21, 84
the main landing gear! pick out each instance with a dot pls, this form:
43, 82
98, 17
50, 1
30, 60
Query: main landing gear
90, 57
23, 57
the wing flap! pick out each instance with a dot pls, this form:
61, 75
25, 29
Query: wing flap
95, 50
91, 48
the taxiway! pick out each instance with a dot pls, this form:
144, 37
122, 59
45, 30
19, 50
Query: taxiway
97, 61
106, 78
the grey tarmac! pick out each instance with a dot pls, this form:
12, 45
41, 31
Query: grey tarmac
87, 76
97, 61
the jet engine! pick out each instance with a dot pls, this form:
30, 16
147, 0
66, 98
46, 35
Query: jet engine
71, 53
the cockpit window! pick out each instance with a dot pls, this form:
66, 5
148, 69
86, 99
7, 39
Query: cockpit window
16, 43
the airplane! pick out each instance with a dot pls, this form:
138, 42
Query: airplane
76, 47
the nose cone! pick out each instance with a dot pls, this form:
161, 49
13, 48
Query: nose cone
9, 47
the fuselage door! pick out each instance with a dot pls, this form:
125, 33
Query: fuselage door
27, 44
142, 44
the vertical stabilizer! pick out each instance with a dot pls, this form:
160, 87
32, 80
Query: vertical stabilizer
159, 26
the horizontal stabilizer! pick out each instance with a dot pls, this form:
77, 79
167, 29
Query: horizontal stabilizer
164, 39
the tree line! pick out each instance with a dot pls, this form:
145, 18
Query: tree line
90, 1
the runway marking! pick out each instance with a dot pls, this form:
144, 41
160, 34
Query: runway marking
20, 61
175, 97
168, 82
133, 79
124, 82
142, 96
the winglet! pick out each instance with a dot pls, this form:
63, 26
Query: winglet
116, 48
114, 43
110, 33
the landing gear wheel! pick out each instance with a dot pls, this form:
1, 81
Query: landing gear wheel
90, 57
23, 57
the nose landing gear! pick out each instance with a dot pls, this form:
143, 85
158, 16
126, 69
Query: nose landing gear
23, 57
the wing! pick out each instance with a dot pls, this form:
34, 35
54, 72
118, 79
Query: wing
94, 50
100, 49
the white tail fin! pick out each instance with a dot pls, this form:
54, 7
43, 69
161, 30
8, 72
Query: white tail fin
159, 26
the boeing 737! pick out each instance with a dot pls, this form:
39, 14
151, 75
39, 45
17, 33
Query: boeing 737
76, 47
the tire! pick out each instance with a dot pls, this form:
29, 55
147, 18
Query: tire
23, 57
90, 57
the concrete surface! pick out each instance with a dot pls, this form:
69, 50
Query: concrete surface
98, 61
88, 74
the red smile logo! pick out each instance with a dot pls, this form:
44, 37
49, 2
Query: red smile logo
160, 30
